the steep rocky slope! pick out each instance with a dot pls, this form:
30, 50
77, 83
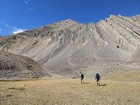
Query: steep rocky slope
14, 67
66, 46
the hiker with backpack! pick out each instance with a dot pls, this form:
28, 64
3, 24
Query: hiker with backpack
97, 78
82, 78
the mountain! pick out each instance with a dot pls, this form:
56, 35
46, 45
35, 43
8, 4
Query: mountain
15, 67
68, 47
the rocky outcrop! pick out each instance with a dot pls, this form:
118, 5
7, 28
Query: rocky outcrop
14, 67
68, 45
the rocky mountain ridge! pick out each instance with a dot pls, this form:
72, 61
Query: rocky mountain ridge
67, 46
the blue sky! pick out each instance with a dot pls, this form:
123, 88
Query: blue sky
20, 15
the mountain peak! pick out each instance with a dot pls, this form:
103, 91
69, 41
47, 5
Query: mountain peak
68, 21
66, 46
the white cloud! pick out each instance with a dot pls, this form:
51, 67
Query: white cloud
27, 1
13, 29
18, 31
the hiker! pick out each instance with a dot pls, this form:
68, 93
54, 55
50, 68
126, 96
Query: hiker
82, 78
97, 78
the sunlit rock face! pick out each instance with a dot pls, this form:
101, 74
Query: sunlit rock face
67, 46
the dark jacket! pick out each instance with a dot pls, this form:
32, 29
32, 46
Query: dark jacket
97, 77
82, 76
